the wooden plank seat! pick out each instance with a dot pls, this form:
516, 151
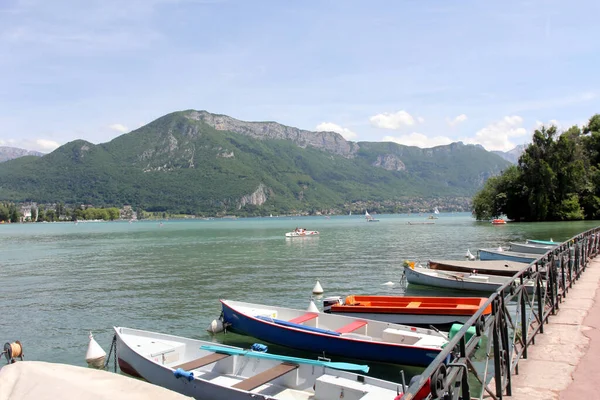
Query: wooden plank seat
265, 376
352, 326
201, 362
303, 318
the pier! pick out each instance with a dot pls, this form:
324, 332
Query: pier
539, 345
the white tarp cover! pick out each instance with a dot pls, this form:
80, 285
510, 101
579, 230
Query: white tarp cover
33, 380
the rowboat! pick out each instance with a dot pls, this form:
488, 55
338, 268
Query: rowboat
490, 267
205, 370
534, 248
546, 242
334, 334
454, 280
301, 232
441, 312
501, 254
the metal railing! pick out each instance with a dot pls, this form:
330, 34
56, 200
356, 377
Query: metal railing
485, 360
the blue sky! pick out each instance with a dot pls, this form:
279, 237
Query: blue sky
419, 73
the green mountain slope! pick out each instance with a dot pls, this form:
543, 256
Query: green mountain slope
192, 162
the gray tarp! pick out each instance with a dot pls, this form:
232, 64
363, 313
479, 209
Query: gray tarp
34, 380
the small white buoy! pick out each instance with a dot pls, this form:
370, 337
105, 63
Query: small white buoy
312, 307
317, 289
388, 283
95, 355
469, 255
216, 326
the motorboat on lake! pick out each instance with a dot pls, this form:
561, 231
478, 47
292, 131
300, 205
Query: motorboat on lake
332, 334
535, 248
301, 232
207, 370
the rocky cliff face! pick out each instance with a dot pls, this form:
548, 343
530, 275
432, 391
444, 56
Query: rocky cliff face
9, 153
328, 141
389, 162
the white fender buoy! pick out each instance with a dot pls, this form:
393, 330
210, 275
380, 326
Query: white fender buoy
312, 307
318, 289
216, 326
469, 255
95, 355
388, 283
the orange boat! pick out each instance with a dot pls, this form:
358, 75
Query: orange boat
498, 221
408, 310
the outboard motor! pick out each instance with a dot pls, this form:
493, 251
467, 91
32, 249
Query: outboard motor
331, 301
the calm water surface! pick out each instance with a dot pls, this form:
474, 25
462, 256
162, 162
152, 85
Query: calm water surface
59, 281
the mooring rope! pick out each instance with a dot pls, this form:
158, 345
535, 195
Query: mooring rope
113, 349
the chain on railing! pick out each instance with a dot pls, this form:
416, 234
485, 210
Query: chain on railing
520, 309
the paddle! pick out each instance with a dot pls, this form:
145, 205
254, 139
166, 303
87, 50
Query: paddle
257, 354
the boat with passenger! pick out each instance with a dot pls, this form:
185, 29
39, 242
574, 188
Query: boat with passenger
301, 232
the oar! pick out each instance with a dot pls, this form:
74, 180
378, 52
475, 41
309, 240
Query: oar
257, 354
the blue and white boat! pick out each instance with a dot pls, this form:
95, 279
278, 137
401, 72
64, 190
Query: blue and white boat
501, 254
334, 334
207, 370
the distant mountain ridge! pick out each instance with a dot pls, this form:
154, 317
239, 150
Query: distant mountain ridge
513, 155
197, 162
10, 153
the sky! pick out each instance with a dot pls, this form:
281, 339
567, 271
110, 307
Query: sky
419, 73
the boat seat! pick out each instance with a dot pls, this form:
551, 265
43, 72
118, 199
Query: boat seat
201, 362
303, 318
413, 304
265, 376
351, 326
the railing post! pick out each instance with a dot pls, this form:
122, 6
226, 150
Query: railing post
496, 342
538, 294
466, 394
524, 327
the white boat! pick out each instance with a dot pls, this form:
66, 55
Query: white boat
369, 217
436, 211
301, 232
535, 248
454, 280
205, 370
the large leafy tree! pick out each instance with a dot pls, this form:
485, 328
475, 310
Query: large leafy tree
557, 178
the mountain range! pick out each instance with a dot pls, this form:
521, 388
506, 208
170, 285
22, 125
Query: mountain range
197, 162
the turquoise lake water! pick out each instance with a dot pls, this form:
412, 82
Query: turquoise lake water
59, 281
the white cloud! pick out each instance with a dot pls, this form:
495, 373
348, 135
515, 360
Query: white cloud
331, 127
498, 135
45, 145
419, 140
119, 128
395, 120
420, 119
539, 124
457, 120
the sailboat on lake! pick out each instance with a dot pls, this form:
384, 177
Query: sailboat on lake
369, 217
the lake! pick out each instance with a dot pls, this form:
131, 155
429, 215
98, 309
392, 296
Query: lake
61, 280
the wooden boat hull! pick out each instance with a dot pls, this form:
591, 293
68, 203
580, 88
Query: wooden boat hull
154, 358
489, 267
323, 338
455, 281
411, 310
493, 254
